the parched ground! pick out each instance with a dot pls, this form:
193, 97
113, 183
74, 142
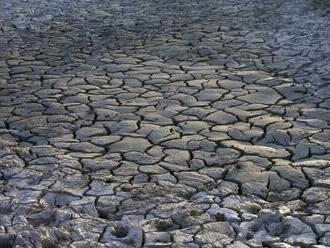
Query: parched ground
164, 123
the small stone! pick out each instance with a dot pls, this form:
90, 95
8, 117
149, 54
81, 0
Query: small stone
297, 232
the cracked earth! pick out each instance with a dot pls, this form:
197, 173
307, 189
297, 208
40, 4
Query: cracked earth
165, 123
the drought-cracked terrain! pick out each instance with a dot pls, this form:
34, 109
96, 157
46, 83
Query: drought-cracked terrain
164, 123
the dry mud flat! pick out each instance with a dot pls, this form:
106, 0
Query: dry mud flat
164, 123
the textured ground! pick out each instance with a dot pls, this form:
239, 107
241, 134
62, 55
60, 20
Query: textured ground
164, 123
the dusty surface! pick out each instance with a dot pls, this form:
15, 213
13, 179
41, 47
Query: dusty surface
164, 123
